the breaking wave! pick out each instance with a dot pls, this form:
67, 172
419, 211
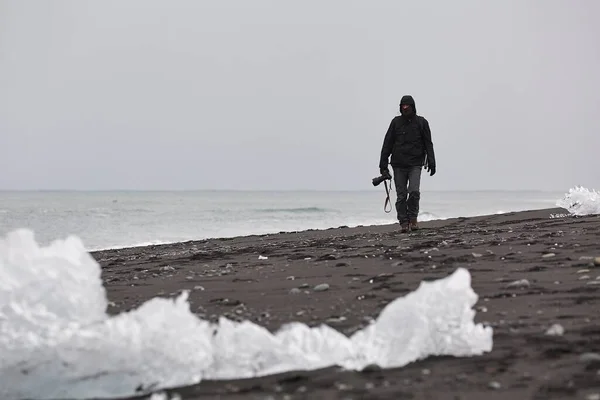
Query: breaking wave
425, 216
57, 341
295, 210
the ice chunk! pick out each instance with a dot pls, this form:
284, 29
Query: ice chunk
581, 201
56, 340
435, 319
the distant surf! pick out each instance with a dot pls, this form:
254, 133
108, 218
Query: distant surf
296, 210
112, 220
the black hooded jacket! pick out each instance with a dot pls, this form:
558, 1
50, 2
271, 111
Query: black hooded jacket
408, 140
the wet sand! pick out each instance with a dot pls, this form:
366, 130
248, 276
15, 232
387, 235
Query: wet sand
367, 267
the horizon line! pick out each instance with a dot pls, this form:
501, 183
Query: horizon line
271, 190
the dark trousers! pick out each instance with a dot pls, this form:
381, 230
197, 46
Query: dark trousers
408, 185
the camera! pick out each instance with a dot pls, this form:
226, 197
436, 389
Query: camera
377, 181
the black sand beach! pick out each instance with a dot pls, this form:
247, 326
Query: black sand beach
367, 267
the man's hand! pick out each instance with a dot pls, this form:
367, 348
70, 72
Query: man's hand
431, 169
385, 172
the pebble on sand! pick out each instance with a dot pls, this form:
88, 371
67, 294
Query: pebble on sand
494, 385
597, 261
548, 255
589, 357
521, 283
555, 330
321, 287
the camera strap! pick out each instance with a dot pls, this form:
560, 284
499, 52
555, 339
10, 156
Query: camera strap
387, 199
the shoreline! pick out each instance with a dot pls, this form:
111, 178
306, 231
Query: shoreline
558, 210
367, 267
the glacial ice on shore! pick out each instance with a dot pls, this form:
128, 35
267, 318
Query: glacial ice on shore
57, 341
580, 201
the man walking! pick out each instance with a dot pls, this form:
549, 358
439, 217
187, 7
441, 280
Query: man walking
408, 141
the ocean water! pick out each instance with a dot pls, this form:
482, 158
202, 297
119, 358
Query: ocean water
121, 218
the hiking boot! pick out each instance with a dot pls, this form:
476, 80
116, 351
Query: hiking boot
414, 225
405, 227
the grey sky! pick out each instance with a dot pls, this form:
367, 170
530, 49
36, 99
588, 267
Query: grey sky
295, 95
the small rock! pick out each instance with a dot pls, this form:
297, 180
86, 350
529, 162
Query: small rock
371, 368
426, 371
290, 278
477, 255
304, 286
321, 287
494, 385
548, 255
521, 283
397, 263
198, 287
583, 271
342, 386
295, 291
589, 357
555, 330
263, 258
584, 277
462, 377
597, 261
301, 389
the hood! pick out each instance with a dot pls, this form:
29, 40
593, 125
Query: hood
408, 99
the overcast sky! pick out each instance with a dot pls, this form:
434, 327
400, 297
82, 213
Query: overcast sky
230, 94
